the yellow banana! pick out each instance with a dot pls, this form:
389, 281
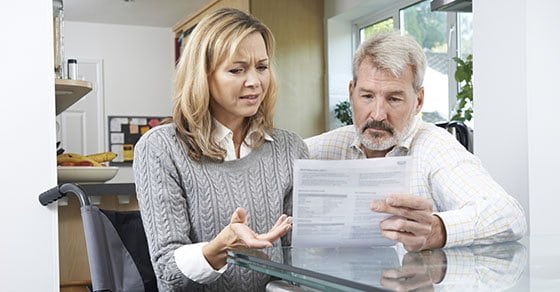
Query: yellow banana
76, 159
102, 156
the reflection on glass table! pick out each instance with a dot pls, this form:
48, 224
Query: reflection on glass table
478, 268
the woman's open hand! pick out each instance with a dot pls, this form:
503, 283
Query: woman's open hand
238, 235
241, 236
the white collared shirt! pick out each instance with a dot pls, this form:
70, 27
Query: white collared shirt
189, 258
224, 137
472, 206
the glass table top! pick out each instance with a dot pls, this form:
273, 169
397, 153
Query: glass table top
513, 266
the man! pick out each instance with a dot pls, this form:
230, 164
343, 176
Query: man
453, 200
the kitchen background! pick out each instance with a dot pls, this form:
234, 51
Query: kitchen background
516, 44
132, 68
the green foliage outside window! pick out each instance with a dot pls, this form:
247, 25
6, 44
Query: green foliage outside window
463, 75
427, 27
382, 26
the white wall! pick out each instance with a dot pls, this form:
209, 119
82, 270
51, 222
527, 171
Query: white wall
543, 102
138, 64
138, 68
500, 84
517, 101
29, 232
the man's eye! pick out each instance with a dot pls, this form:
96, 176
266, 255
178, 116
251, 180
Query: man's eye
394, 99
367, 96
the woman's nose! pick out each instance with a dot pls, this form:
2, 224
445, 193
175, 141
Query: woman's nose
252, 79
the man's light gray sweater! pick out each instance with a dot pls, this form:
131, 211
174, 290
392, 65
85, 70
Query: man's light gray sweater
184, 201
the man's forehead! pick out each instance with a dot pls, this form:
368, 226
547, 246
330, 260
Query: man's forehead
370, 72
371, 67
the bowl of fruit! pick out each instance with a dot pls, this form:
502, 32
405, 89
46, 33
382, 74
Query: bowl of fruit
74, 167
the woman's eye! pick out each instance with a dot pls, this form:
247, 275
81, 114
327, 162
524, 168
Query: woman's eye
262, 67
235, 71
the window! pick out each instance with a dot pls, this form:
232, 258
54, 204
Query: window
436, 33
430, 30
465, 34
372, 29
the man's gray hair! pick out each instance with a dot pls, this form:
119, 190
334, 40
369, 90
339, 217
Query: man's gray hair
392, 52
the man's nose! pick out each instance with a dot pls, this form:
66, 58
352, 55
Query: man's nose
378, 110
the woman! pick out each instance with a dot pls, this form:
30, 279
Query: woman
200, 177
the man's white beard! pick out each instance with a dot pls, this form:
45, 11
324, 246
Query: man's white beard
380, 143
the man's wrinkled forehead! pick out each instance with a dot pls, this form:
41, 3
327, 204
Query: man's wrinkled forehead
370, 64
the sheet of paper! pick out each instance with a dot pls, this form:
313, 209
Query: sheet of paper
332, 198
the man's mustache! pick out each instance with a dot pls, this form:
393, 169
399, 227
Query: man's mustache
378, 125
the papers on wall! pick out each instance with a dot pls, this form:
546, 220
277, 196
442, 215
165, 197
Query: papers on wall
332, 198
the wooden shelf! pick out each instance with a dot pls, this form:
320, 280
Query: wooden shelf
69, 92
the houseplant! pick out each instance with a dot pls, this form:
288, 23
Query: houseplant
463, 75
343, 112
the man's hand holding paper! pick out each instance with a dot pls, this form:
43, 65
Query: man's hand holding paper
412, 223
332, 200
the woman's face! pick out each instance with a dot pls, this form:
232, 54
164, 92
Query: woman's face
238, 85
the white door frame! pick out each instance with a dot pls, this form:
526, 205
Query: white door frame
77, 113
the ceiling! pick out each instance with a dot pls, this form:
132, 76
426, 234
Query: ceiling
166, 13
159, 13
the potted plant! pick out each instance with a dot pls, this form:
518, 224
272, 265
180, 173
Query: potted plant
343, 112
463, 75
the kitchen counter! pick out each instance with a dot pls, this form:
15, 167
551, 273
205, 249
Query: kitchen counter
109, 189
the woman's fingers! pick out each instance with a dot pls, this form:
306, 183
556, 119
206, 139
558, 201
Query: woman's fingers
247, 238
280, 220
282, 226
239, 216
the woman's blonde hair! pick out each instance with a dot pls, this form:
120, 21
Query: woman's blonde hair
213, 41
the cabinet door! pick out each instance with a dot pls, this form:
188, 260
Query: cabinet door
80, 128
298, 28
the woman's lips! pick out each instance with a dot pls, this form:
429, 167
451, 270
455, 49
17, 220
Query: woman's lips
249, 97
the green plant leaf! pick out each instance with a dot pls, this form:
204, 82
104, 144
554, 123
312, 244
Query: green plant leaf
468, 114
343, 112
463, 74
459, 61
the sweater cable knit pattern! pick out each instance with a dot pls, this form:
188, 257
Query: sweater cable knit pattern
183, 201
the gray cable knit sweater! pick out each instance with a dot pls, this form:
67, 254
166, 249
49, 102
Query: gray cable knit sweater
183, 201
